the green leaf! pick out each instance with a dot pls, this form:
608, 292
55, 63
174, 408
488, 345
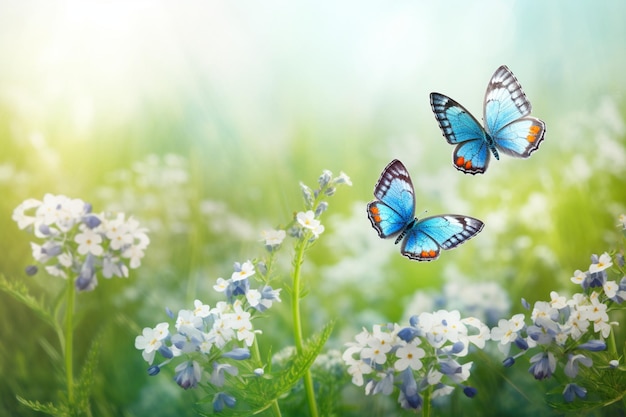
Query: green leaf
47, 408
19, 291
255, 395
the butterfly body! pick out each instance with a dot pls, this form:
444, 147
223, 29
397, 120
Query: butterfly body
394, 214
509, 128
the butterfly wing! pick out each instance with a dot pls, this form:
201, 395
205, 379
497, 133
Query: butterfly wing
428, 236
459, 127
396, 207
507, 120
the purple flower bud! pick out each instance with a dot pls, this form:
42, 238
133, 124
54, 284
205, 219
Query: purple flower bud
593, 345
154, 370
521, 343
92, 221
508, 362
222, 399
166, 352
470, 392
409, 398
572, 391
408, 333
31, 270
237, 354
188, 374
543, 365
87, 280
44, 229
525, 304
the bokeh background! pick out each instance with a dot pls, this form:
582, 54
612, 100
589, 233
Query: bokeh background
200, 119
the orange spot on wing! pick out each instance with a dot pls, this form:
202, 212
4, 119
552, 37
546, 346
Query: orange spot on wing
374, 210
460, 161
468, 164
432, 253
377, 218
532, 133
424, 254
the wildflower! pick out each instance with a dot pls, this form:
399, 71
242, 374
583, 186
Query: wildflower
89, 242
188, 374
308, 221
237, 354
507, 332
409, 396
571, 368
572, 391
601, 263
273, 238
150, 341
409, 356
242, 271
343, 179
222, 399
218, 376
543, 365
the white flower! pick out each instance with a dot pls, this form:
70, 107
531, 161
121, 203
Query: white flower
579, 277
273, 237
604, 262
242, 271
201, 309
150, 341
19, 214
409, 356
89, 242
221, 285
308, 221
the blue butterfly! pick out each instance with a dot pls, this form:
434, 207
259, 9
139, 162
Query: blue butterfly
508, 126
394, 214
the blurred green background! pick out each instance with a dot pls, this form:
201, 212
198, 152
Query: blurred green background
201, 119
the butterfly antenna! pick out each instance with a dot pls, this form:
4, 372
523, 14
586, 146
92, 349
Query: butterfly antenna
423, 212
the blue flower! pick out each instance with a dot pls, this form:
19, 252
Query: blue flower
572, 391
508, 362
92, 221
470, 392
188, 374
543, 365
409, 333
217, 377
409, 398
593, 345
87, 280
385, 385
237, 354
221, 399
571, 367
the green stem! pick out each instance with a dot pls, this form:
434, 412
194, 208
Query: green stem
69, 340
611, 346
426, 403
256, 358
297, 322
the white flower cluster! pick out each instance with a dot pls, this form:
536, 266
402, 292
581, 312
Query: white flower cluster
416, 357
78, 242
565, 329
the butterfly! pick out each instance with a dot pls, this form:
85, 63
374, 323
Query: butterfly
508, 127
394, 214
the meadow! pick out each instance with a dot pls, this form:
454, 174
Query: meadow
212, 125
